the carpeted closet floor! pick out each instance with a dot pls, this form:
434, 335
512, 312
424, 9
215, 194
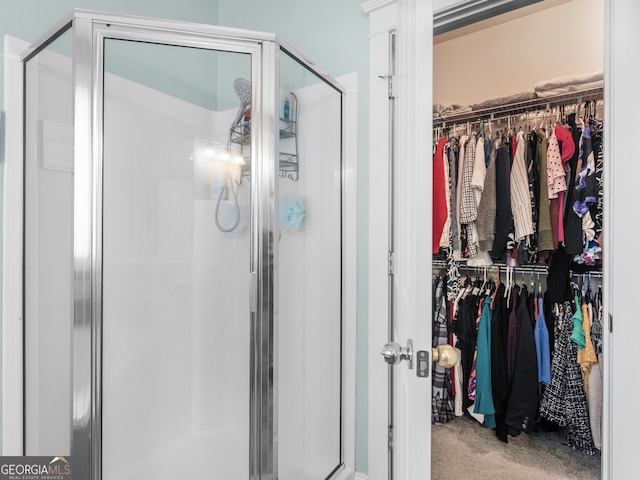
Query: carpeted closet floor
464, 449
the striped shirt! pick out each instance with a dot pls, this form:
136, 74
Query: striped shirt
520, 199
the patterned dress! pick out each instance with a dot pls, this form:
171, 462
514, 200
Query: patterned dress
564, 401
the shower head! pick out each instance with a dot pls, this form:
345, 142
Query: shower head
242, 88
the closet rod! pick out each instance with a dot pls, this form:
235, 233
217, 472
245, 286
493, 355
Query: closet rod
528, 269
462, 266
541, 103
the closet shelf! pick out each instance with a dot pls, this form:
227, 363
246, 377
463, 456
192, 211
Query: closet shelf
576, 97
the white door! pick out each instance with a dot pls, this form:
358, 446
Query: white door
412, 182
399, 224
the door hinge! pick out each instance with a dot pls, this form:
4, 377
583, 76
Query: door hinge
391, 93
390, 437
391, 259
610, 323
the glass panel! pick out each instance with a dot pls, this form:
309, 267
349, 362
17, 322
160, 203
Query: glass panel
48, 248
309, 299
176, 251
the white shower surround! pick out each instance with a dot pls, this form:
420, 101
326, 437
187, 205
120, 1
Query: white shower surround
304, 259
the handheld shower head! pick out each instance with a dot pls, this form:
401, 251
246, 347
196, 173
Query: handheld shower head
242, 88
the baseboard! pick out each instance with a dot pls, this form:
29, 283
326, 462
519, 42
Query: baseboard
360, 476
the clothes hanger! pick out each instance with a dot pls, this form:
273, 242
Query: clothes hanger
541, 126
509, 279
493, 298
485, 287
576, 289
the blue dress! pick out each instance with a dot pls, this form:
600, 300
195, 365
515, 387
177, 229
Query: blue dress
484, 394
542, 346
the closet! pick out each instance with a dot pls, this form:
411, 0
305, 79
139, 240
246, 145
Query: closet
517, 234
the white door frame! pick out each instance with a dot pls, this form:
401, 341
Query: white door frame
622, 97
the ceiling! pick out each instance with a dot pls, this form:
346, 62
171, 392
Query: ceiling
484, 22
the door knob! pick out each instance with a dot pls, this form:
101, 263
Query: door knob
445, 355
394, 353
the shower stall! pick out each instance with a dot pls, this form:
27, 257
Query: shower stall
183, 253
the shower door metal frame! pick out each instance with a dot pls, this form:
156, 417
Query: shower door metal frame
90, 32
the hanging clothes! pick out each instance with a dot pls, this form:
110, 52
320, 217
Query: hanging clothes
597, 209
520, 199
556, 185
523, 399
439, 198
525, 361
468, 205
482, 257
504, 219
577, 334
594, 396
446, 229
499, 371
545, 235
452, 155
512, 331
461, 232
465, 330
592, 220
442, 406
563, 401
543, 349
567, 148
572, 222
533, 170
587, 356
483, 395
487, 207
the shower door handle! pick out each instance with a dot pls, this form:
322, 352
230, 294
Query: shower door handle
393, 353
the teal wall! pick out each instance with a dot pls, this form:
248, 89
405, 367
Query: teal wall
333, 33
29, 19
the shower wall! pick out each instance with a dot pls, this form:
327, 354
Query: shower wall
310, 328
176, 295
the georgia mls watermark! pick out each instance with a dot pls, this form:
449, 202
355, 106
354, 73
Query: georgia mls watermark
35, 468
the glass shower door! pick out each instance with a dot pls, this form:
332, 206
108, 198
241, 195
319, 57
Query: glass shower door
176, 262
309, 202
48, 248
